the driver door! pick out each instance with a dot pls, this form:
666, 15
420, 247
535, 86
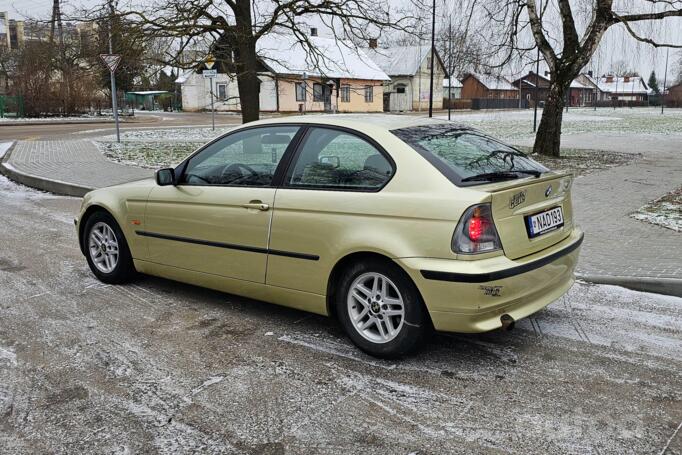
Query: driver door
216, 219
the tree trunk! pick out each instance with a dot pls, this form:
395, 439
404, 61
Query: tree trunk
248, 82
247, 65
548, 137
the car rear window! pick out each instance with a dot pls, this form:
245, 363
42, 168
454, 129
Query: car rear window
460, 153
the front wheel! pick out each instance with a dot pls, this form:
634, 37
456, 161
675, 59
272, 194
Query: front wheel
106, 249
381, 309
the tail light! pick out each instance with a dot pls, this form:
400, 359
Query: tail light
475, 232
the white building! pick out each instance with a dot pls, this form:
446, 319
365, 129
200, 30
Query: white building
454, 86
409, 68
625, 88
341, 78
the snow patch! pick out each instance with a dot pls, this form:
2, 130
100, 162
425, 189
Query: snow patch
4, 147
9, 357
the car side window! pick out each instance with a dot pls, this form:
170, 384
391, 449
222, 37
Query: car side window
245, 158
335, 159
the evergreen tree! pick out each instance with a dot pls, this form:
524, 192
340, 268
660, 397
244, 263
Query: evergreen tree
653, 83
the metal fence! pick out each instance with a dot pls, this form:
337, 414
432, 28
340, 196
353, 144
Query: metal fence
498, 103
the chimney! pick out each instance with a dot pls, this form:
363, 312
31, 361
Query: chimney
313, 31
609, 79
589, 73
373, 43
626, 79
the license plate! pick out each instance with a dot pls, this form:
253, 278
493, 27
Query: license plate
544, 222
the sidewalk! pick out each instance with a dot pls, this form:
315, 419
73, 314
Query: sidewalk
71, 168
617, 249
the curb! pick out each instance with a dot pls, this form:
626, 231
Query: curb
66, 122
40, 183
666, 286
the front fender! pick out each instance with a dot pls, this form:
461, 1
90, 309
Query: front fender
127, 204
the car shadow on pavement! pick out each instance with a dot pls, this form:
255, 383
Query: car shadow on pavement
226, 315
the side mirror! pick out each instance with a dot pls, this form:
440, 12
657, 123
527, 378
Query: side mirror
165, 176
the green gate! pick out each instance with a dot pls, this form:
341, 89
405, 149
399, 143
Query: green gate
11, 106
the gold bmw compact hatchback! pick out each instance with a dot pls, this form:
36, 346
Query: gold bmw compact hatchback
392, 224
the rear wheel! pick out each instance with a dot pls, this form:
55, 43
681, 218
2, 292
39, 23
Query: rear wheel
106, 249
381, 309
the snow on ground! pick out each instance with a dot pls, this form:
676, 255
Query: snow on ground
4, 147
518, 124
157, 147
153, 147
186, 134
665, 211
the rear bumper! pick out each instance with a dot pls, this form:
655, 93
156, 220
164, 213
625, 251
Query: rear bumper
470, 296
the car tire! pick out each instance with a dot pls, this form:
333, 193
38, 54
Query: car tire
381, 309
106, 249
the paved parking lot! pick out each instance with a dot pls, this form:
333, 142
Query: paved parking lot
155, 366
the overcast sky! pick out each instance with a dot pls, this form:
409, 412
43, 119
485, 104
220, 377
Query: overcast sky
616, 45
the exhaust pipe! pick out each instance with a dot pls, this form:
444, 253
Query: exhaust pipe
507, 322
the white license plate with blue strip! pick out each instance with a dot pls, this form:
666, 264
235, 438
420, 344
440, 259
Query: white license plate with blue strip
544, 222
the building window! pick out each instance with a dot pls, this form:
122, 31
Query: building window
318, 92
222, 92
345, 93
400, 89
369, 93
300, 91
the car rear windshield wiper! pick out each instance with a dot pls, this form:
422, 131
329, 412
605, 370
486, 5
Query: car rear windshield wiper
501, 175
532, 172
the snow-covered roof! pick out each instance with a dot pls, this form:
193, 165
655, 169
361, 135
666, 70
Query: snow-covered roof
577, 84
284, 54
493, 82
455, 83
618, 85
183, 76
399, 60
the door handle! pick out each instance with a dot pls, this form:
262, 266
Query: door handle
258, 205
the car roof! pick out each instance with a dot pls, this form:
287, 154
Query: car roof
362, 121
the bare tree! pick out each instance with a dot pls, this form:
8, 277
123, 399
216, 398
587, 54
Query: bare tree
567, 34
232, 28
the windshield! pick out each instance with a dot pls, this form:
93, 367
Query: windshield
463, 154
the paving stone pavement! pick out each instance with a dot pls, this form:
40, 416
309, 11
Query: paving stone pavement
616, 245
78, 163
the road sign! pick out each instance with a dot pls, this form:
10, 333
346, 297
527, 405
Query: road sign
111, 60
210, 61
210, 73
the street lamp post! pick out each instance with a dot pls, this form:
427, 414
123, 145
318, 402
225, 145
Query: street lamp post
433, 46
537, 77
665, 79
450, 66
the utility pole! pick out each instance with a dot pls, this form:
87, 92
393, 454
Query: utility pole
433, 51
212, 109
451, 66
114, 102
665, 78
537, 77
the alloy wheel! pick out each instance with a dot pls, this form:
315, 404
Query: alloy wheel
376, 307
103, 247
